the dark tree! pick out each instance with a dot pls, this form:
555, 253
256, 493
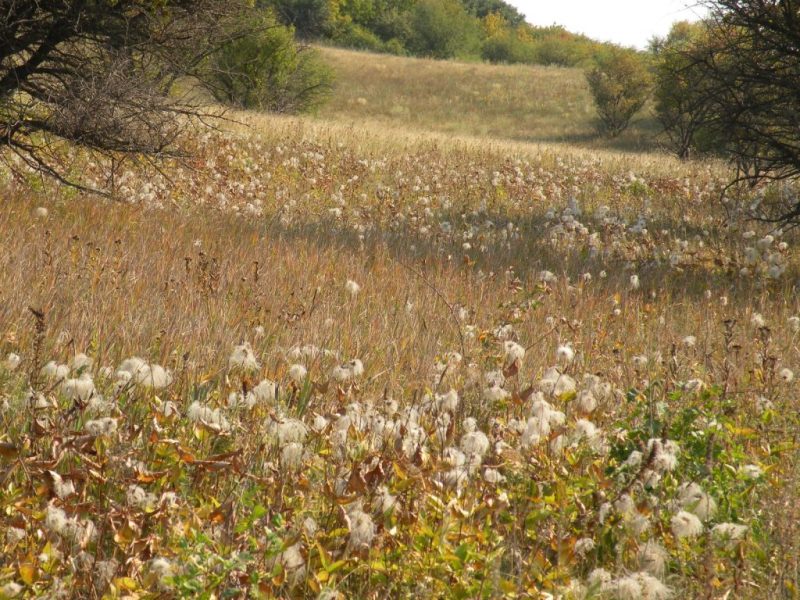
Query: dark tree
751, 70
682, 104
101, 74
310, 18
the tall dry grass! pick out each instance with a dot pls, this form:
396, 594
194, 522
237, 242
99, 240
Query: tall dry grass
458, 246
514, 102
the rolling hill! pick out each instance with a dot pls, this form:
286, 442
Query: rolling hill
514, 102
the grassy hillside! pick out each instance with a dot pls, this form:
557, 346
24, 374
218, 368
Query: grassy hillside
524, 103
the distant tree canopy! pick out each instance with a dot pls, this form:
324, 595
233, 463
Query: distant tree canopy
484, 8
490, 29
442, 29
309, 18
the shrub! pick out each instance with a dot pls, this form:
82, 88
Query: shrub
395, 46
483, 8
682, 103
751, 69
620, 85
554, 51
351, 35
310, 18
506, 47
393, 26
268, 70
443, 29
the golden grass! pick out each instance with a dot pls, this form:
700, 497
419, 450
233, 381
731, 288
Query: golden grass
447, 235
515, 102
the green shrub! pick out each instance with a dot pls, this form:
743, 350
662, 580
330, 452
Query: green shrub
310, 18
443, 29
267, 70
395, 46
620, 85
683, 104
483, 8
506, 47
393, 26
351, 35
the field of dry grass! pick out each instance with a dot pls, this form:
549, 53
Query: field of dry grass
339, 361
517, 102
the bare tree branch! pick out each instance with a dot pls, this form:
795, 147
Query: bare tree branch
102, 74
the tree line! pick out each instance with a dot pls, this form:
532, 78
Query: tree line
490, 30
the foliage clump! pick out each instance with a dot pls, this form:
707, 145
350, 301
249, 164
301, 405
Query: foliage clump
266, 69
681, 100
620, 86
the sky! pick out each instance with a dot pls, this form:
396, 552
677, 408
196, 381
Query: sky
624, 22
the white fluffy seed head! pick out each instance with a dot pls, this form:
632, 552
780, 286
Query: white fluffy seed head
139, 372
495, 393
653, 558
626, 588
447, 402
352, 288
584, 546
686, 525
297, 373
265, 391
728, 532
513, 352
11, 589
54, 371
55, 519
348, 371
243, 358
292, 456
105, 426
81, 361
474, 443
585, 401
210, 417
692, 498
290, 431
12, 361
751, 471
362, 529
663, 456
565, 354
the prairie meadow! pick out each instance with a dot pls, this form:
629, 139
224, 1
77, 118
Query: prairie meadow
342, 357
532, 104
